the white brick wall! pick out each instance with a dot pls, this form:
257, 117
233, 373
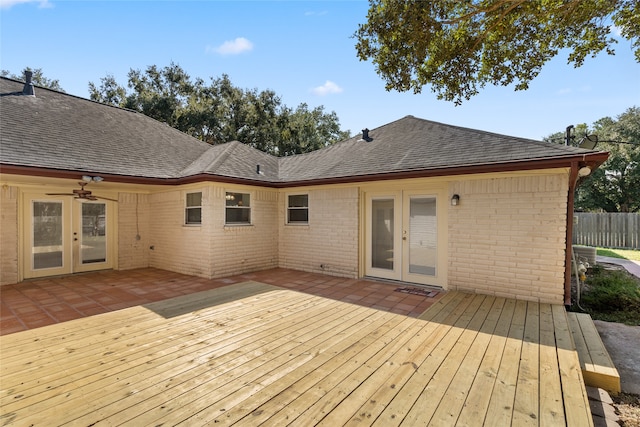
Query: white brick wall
213, 249
507, 237
8, 235
133, 221
178, 247
238, 249
329, 244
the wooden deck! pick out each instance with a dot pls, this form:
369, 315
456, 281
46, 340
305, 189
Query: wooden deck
597, 367
253, 354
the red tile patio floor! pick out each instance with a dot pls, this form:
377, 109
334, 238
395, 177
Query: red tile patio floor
40, 302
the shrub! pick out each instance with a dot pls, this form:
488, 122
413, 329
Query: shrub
612, 295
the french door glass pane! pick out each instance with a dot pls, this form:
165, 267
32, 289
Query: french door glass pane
94, 233
422, 235
382, 228
47, 235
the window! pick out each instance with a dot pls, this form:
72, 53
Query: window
238, 208
193, 209
298, 209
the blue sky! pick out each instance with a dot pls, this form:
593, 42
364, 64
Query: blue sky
302, 50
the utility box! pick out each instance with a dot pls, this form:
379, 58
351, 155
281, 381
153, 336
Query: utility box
586, 252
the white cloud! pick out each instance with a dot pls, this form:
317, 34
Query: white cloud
232, 47
617, 31
327, 88
6, 4
315, 13
568, 90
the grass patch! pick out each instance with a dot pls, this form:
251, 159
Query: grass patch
619, 253
611, 295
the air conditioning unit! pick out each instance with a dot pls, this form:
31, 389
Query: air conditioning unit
586, 252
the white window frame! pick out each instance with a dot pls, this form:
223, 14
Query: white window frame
227, 199
187, 208
289, 208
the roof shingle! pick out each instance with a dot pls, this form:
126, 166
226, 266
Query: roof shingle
59, 131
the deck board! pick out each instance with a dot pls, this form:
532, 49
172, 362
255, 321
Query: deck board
597, 367
257, 354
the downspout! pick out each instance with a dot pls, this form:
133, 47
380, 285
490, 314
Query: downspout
573, 180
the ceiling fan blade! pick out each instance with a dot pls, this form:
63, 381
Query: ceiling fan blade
104, 198
60, 194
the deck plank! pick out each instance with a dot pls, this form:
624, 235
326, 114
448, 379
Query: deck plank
476, 405
458, 392
138, 348
220, 393
574, 393
134, 381
500, 411
551, 405
269, 403
258, 355
525, 406
416, 387
376, 392
598, 369
432, 396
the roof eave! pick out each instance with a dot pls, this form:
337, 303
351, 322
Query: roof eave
593, 160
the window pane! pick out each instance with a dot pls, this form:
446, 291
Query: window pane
193, 211
47, 235
382, 255
299, 201
299, 215
194, 199
238, 216
238, 199
194, 216
422, 235
94, 240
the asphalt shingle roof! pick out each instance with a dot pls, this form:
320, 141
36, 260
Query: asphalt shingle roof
59, 131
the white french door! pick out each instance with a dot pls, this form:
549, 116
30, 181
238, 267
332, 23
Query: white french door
64, 235
403, 241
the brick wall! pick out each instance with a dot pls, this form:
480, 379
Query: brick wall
239, 249
507, 237
213, 249
133, 231
8, 235
173, 245
329, 244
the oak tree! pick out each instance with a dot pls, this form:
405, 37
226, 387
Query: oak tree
458, 47
217, 111
615, 185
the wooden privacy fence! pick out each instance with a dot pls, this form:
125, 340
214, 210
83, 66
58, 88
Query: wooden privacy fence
607, 230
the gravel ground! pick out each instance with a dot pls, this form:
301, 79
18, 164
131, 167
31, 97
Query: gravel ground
628, 409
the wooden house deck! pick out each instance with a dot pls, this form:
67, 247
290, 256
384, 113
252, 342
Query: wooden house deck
251, 354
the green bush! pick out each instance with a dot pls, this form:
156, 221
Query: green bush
612, 296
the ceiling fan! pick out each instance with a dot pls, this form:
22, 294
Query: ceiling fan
81, 194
